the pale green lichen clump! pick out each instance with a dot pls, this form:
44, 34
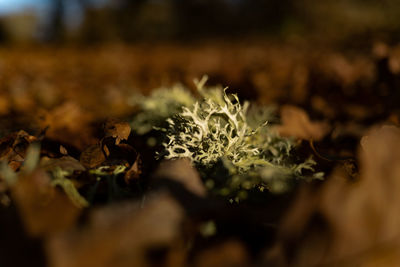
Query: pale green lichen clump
161, 104
232, 145
209, 130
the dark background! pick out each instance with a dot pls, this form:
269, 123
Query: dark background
352, 22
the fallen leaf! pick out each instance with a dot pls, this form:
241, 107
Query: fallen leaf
351, 223
92, 157
13, 148
296, 123
182, 171
118, 130
134, 172
70, 124
44, 209
121, 235
118, 153
65, 163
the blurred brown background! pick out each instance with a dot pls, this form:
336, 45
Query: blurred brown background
351, 22
97, 53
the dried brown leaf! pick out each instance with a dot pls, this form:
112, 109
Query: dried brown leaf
44, 209
118, 130
70, 124
13, 148
92, 156
351, 223
134, 171
65, 163
120, 235
182, 171
296, 123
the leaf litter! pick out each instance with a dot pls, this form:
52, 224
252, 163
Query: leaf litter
92, 192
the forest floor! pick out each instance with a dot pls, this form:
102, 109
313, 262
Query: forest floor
59, 107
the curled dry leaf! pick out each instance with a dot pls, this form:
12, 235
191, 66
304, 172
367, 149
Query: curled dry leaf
296, 123
92, 156
182, 171
351, 223
120, 153
44, 209
118, 130
121, 235
13, 148
135, 170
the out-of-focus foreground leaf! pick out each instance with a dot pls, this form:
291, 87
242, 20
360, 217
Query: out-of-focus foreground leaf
44, 209
122, 234
350, 223
296, 123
